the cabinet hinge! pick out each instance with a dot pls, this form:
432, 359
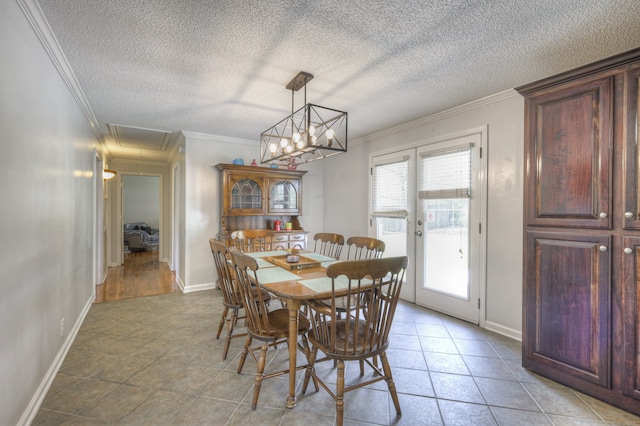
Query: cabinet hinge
479, 228
478, 303
480, 152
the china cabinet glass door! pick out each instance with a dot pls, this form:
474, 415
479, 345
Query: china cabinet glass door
283, 197
246, 195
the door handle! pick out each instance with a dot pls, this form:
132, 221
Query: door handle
419, 233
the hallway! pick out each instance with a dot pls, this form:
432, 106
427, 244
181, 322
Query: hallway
142, 274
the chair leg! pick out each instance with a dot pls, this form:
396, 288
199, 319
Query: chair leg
311, 360
222, 321
245, 352
231, 323
260, 374
340, 394
389, 378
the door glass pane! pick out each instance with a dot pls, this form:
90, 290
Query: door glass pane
445, 191
393, 232
446, 243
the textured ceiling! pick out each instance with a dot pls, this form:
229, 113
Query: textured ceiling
220, 67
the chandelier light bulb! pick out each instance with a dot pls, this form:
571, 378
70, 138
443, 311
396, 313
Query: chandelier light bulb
289, 148
283, 142
312, 130
330, 134
273, 148
314, 139
296, 137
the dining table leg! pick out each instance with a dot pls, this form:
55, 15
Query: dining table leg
293, 305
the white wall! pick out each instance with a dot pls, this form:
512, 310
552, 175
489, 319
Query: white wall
141, 199
202, 199
179, 178
346, 192
47, 226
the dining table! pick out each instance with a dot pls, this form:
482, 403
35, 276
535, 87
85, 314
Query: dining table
295, 283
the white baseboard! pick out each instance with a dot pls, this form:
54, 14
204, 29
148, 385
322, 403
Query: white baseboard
34, 405
505, 331
180, 283
199, 287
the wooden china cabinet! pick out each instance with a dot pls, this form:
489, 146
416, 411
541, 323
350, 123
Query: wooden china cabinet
255, 197
582, 229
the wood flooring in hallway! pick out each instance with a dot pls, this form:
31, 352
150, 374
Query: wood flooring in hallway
142, 274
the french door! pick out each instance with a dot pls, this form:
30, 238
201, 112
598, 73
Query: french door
448, 227
427, 203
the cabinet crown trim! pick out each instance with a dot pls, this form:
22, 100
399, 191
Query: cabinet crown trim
261, 170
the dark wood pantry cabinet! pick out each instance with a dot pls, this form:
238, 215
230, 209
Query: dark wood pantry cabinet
582, 229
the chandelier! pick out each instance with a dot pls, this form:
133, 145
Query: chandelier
311, 133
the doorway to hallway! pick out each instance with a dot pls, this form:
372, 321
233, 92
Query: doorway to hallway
141, 274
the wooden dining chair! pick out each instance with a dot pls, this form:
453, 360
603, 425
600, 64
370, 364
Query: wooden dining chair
362, 335
231, 299
328, 244
360, 248
251, 240
364, 248
269, 327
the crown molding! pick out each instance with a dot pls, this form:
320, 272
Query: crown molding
137, 162
219, 139
38, 22
500, 96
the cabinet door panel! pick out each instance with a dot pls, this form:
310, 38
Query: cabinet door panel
569, 157
631, 319
632, 155
567, 297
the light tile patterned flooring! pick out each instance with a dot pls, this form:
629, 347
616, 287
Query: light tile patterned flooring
155, 360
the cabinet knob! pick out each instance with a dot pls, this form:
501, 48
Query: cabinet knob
628, 250
603, 215
629, 215
603, 248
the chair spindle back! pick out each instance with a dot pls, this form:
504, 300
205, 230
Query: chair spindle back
364, 248
328, 244
365, 331
252, 294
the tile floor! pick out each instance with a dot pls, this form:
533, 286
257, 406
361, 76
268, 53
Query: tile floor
155, 360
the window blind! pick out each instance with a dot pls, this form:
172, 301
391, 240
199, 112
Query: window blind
446, 174
389, 188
